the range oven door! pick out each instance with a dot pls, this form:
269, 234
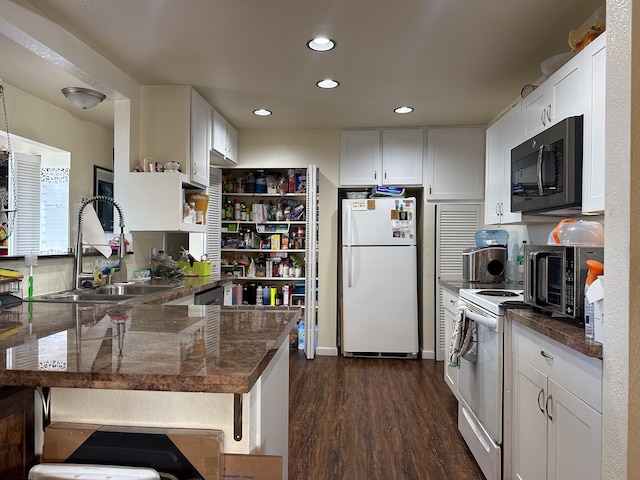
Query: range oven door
480, 388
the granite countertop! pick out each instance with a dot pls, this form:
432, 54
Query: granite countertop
141, 347
561, 329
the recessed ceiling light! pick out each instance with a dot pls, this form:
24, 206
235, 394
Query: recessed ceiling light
403, 109
327, 83
262, 112
321, 44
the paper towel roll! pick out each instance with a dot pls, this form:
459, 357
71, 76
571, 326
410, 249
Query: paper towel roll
92, 232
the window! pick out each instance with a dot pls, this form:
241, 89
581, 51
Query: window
42, 220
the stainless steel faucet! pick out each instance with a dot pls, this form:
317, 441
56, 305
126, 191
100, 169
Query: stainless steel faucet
122, 250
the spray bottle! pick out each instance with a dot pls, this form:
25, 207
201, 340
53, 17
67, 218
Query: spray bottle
595, 268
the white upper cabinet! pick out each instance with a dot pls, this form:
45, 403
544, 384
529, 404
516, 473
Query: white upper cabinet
200, 139
381, 157
224, 141
594, 127
402, 156
175, 126
562, 95
501, 137
360, 157
455, 163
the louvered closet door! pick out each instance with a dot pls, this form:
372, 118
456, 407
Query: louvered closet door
456, 226
214, 221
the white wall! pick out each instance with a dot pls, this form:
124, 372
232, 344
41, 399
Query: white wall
89, 144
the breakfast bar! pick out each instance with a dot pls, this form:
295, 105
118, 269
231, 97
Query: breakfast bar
189, 366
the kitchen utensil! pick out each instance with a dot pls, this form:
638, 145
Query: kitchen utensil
30, 260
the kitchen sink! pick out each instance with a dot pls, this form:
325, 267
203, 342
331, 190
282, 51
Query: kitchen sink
118, 293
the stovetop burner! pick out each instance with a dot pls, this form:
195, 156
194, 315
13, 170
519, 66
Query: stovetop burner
497, 293
492, 300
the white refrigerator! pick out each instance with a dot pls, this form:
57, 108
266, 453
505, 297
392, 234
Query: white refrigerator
379, 278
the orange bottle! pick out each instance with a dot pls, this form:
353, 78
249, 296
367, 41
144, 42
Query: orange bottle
595, 268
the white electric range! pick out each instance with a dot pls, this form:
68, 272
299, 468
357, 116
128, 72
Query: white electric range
484, 385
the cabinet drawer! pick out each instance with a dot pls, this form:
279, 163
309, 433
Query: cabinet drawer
579, 374
450, 300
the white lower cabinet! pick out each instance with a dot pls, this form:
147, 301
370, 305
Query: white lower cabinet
557, 404
449, 309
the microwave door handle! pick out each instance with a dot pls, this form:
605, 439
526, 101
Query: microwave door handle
544, 286
541, 150
532, 262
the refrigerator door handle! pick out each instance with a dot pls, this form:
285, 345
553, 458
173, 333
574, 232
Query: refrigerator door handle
349, 267
349, 225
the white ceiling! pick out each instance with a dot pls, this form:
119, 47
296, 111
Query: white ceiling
457, 62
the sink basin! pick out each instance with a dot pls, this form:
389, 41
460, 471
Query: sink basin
128, 289
119, 293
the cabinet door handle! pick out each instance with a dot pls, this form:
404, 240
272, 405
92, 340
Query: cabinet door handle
541, 394
546, 355
498, 208
547, 407
542, 116
195, 167
549, 112
385, 174
375, 174
430, 190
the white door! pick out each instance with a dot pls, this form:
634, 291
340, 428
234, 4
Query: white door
380, 300
529, 422
575, 437
379, 221
480, 380
402, 156
456, 227
360, 157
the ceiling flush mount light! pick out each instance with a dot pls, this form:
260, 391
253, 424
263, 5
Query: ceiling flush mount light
327, 83
403, 109
83, 97
262, 112
321, 44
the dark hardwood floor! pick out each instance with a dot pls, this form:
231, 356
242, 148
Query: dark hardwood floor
357, 419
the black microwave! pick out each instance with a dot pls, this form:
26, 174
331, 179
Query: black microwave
546, 170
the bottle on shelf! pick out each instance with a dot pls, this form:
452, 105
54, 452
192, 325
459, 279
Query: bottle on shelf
595, 268
520, 261
236, 209
250, 183
259, 294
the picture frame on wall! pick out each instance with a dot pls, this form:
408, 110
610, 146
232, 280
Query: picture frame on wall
103, 185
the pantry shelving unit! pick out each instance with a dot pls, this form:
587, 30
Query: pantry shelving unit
250, 234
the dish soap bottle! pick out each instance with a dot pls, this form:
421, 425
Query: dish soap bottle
595, 269
520, 263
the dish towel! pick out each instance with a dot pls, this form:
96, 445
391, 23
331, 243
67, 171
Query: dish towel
464, 341
92, 232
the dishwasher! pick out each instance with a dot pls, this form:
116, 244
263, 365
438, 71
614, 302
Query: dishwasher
213, 296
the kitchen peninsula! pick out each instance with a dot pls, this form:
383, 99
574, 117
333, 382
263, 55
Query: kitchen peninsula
193, 366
